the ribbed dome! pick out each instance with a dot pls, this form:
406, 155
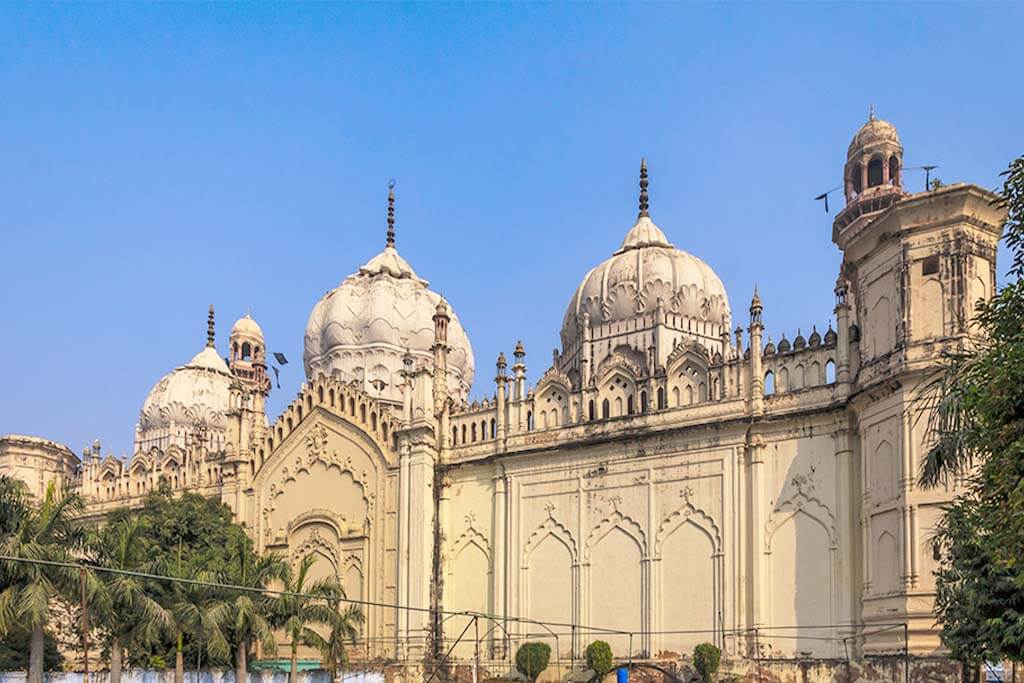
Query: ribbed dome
192, 396
361, 330
871, 133
645, 269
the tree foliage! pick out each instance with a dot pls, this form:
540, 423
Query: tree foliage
706, 658
599, 658
532, 659
976, 421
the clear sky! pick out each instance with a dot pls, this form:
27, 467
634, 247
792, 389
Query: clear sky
156, 158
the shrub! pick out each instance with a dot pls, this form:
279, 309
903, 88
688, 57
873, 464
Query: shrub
599, 658
532, 659
705, 660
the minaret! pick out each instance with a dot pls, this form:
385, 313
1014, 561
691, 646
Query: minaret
440, 349
519, 385
842, 311
500, 379
756, 391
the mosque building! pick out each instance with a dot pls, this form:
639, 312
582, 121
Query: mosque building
674, 477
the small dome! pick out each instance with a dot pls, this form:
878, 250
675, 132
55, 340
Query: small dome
799, 343
246, 326
872, 133
830, 336
194, 395
784, 345
769, 348
815, 339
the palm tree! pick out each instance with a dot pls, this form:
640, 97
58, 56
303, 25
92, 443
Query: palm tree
190, 607
299, 607
48, 531
343, 629
127, 608
245, 613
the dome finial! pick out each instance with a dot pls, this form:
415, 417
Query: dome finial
643, 189
209, 328
391, 213
871, 112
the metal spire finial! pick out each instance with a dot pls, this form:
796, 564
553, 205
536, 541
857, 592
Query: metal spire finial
871, 112
391, 213
643, 189
209, 328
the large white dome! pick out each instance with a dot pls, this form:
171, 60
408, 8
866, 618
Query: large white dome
361, 330
647, 269
190, 398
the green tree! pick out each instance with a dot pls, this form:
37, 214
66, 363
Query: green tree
706, 658
126, 607
975, 409
302, 606
14, 648
190, 537
532, 659
50, 531
599, 658
245, 613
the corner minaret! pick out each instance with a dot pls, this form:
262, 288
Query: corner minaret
756, 329
440, 349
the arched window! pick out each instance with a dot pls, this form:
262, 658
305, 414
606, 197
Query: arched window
362, 412
529, 420
590, 410
606, 409
463, 434
494, 429
455, 435
894, 170
234, 351
320, 394
661, 398
874, 172
472, 432
246, 351
855, 179
769, 383
330, 395
629, 405
830, 371
352, 407
373, 422
483, 430
643, 402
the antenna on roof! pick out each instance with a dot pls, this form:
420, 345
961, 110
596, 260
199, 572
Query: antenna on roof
927, 174
824, 195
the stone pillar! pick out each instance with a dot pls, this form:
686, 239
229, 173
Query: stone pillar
757, 596
842, 311
500, 541
756, 391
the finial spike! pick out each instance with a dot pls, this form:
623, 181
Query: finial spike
871, 112
209, 328
391, 213
643, 189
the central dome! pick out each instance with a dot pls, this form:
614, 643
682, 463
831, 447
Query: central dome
645, 272
361, 330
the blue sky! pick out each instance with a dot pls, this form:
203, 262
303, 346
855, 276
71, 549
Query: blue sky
157, 158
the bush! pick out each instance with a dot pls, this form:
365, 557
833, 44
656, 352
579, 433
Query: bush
599, 658
705, 660
532, 659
